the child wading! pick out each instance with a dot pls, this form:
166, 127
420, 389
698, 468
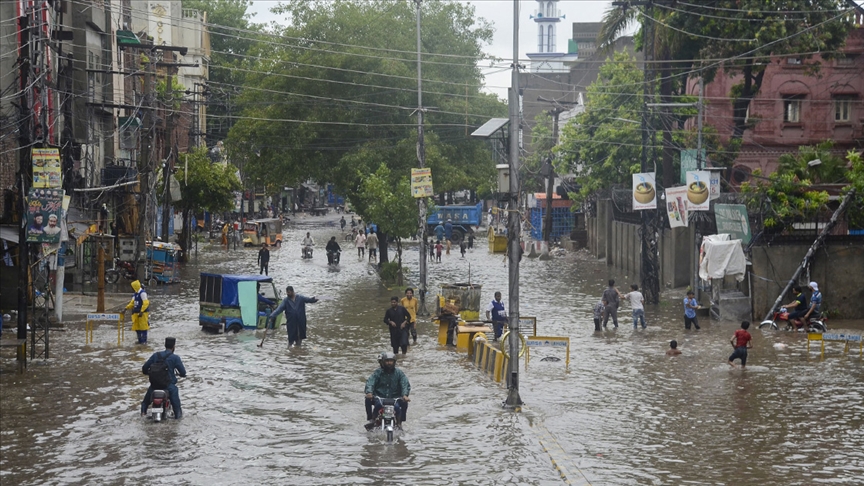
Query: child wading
741, 341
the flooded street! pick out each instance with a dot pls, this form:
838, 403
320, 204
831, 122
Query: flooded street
622, 414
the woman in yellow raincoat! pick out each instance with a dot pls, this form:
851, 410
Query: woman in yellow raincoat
139, 305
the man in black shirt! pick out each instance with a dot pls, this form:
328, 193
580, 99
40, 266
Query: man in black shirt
397, 319
264, 260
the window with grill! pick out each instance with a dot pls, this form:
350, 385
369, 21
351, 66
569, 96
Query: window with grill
843, 108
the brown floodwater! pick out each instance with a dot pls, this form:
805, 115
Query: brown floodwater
622, 414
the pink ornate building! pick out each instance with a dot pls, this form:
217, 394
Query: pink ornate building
794, 107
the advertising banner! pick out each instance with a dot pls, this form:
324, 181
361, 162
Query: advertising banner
421, 183
46, 168
690, 162
644, 194
715, 183
44, 212
676, 206
732, 219
698, 190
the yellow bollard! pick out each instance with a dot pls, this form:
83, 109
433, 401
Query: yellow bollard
121, 328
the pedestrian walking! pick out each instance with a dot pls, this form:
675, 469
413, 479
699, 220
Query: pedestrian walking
496, 312
637, 302
598, 314
360, 243
741, 341
471, 240
447, 242
611, 300
294, 307
372, 245
397, 318
431, 251
412, 305
690, 306
438, 249
463, 246
264, 260
342, 223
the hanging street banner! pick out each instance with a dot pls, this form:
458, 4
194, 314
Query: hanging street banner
732, 219
46, 168
644, 194
421, 183
698, 190
44, 213
676, 206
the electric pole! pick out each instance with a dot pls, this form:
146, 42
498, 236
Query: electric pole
421, 159
24, 177
548, 170
514, 251
145, 167
168, 163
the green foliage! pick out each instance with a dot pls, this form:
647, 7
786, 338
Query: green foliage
173, 97
390, 272
207, 186
542, 140
602, 145
389, 203
830, 170
335, 105
789, 198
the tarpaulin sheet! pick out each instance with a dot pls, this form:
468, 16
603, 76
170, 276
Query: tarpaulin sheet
721, 258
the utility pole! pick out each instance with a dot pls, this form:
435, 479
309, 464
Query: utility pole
168, 164
650, 271
145, 167
548, 170
421, 159
514, 251
25, 134
696, 233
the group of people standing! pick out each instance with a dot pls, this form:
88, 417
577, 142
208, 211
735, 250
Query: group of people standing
610, 301
363, 242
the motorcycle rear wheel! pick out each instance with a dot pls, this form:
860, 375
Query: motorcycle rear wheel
389, 436
112, 276
818, 327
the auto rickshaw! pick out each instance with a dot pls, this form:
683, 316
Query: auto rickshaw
231, 303
257, 232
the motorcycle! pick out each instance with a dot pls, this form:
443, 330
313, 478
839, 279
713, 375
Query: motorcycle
333, 257
781, 315
386, 420
160, 406
307, 252
121, 268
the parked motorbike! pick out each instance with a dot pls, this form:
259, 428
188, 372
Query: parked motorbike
160, 406
307, 252
121, 268
333, 257
386, 420
781, 317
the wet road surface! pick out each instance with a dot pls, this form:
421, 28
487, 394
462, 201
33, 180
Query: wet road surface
622, 414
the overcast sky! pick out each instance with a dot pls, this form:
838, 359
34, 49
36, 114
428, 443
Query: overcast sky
500, 14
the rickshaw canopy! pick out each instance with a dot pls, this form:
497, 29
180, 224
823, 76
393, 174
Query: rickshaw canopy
222, 289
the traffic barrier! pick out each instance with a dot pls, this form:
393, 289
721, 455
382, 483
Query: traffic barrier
89, 325
488, 358
835, 337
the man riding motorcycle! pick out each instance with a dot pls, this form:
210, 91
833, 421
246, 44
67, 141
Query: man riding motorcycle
308, 243
333, 249
798, 307
387, 382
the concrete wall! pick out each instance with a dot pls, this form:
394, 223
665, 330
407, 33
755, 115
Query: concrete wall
619, 244
837, 268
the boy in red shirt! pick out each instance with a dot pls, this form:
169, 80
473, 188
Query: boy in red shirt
438, 248
741, 341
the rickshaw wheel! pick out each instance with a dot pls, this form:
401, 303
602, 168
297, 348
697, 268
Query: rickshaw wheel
235, 328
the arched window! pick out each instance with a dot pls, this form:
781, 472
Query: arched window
550, 9
550, 39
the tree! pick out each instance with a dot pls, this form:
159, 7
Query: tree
602, 145
204, 186
543, 142
392, 208
333, 98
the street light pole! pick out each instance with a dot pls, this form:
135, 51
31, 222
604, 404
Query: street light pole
514, 251
421, 159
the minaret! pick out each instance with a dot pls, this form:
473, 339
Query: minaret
546, 17
548, 58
